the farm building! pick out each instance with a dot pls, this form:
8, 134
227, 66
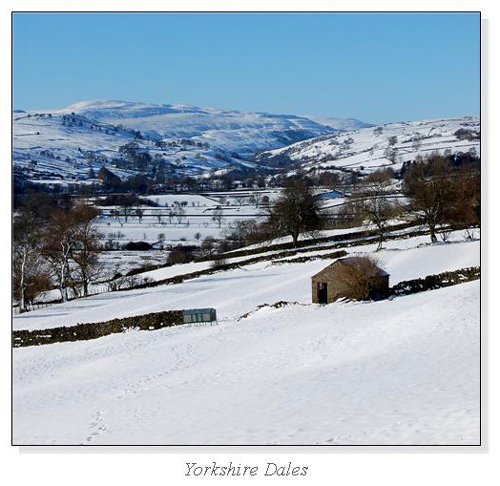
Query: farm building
352, 278
331, 195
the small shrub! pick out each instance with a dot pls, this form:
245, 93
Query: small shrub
219, 263
181, 254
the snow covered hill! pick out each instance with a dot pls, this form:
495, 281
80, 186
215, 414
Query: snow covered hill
67, 143
390, 145
224, 129
401, 371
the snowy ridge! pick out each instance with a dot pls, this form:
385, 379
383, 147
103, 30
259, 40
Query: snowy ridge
366, 149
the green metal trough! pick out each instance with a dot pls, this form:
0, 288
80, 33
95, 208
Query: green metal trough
199, 315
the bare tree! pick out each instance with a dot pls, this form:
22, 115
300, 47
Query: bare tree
59, 239
127, 211
217, 217
417, 143
87, 245
393, 140
139, 213
208, 245
375, 205
391, 154
219, 263
30, 274
179, 213
349, 214
265, 201
296, 211
466, 198
428, 185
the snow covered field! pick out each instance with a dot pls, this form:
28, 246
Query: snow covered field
394, 372
404, 371
196, 222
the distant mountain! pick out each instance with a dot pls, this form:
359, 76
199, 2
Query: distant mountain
367, 149
67, 143
75, 142
341, 123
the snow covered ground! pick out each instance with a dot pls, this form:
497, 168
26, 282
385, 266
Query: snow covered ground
404, 371
393, 372
195, 224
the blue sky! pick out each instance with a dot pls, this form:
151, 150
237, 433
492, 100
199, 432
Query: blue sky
375, 67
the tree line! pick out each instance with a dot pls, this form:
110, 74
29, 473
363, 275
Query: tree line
434, 191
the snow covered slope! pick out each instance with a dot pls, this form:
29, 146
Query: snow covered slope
394, 372
63, 142
401, 371
366, 149
225, 129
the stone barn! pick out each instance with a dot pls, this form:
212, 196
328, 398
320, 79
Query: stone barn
349, 277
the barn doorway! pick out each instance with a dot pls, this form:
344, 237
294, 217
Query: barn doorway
322, 293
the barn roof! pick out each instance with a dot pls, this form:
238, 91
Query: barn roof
348, 261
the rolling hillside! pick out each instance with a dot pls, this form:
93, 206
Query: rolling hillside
66, 144
372, 148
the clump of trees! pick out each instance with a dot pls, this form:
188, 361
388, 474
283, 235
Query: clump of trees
440, 194
239, 233
59, 250
464, 134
